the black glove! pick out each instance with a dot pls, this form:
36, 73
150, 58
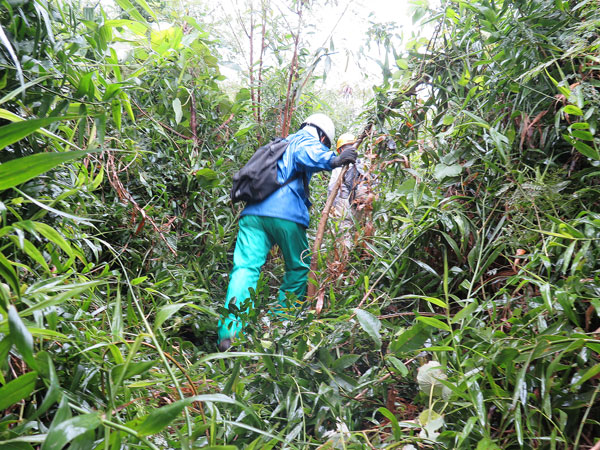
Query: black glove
346, 157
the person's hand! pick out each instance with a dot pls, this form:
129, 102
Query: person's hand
347, 156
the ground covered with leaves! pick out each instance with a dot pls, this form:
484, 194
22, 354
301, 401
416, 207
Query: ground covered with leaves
460, 312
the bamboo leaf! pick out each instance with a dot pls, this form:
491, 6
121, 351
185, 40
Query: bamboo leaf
7, 272
20, 170
67, 430
370, 324
11, 51
432, 321
572, 110
166, 312
13, 132
21, 336
131, 10
158, 419
178, 111
16, 390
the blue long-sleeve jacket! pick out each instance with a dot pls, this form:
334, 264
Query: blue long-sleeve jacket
304, 154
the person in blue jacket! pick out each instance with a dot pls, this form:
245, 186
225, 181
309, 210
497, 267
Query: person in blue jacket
282, 219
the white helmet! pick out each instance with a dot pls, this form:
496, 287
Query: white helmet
323, 124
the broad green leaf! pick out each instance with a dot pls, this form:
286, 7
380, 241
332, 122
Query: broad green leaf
467, 311
432, 321
398, 365
133, 369
572, 110
13, 132
582, 134
178, 111
86, 86
131, 10
53, 393
53, 236
117, 321
434, 300
7, 272
147, 8
344, 362
591, 372
67, 430
13, 55
397, 431
443, 171
487, 444
158, 419
412, 339
586, 150
127, 105
20, 170
166, 312
16, 390
21, 336
370, 324
116, 112
23, 87
138, 280
15, 445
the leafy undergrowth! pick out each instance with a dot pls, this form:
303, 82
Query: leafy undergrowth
464, 314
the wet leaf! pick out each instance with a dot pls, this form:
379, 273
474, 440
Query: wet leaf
370, 324
64, 432
18, 389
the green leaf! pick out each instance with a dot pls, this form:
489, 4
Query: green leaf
398, 365
133, 369
161, 417
147, 8
53, 393
21, 336
572, 110
487, 444
412, 339
16, 390
67, 430
15, 445
138, 280
443, 171
165, 312
344, 362
131, 10
7, 272
178, 111
585, 150
86, 85
432, 321
208, 178
20, 170
116, 112
582, 134
13, 132
591, 372
53, 236
11, 51
370, 324
393, 421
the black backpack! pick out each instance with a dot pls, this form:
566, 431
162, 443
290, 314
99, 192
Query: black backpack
258, 178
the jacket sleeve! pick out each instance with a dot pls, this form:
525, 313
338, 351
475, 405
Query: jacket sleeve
313, 158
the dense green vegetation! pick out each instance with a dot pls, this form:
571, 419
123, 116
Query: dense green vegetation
465, 316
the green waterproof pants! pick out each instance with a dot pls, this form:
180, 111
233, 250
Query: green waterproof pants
256, 236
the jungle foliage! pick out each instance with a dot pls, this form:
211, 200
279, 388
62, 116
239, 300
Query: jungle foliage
465, 315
